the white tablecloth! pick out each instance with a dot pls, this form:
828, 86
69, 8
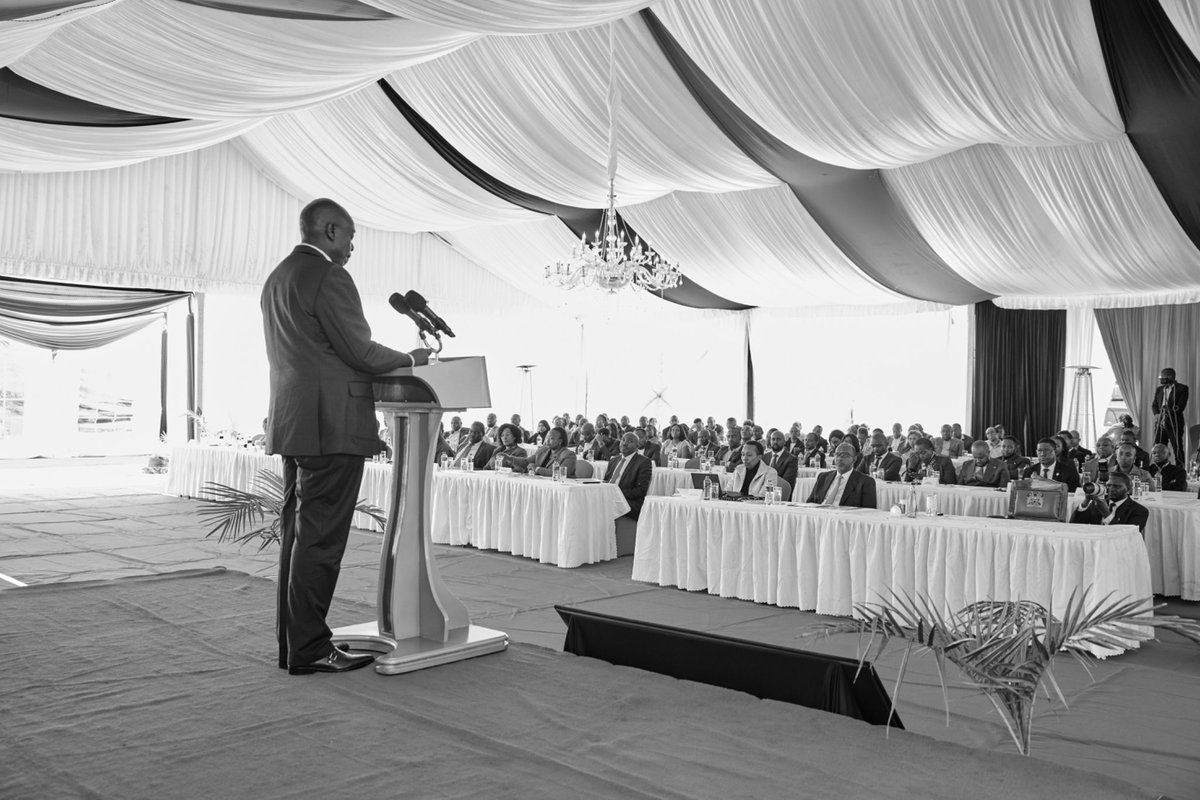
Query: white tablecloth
1172, 533
827, 560
566, 524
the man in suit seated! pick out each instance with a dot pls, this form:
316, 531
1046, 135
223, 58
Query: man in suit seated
606, 447
752, 476
585, 446
475, 450
982, 469
646, 447
845, 486
1174, 479
1126, 462
994, 443
780, 459
947, 445
966, 440
1049, 467
880, 462
813, 455
1010, 454
1095, 469
1118, 509
731, 454
1140, 457
553, 453
457, 434
925, 461
492, 430
631, 472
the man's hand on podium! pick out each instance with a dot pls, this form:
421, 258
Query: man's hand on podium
420, 356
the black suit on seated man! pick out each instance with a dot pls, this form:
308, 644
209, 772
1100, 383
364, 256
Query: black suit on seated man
982, 470
778, 457
1174, 479
1117, 509
484, 450
924, 460
880, 457
856, 488
553, 453
635, 474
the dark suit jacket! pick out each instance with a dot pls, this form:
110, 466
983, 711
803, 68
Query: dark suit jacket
1174, 479
635, 481
483, 455
814, 459
890, 465
651, 452
321, 359
565, 458
1131, 512
941, 464
1063, 472
785, 465
1179, 401
859, 491
994, 473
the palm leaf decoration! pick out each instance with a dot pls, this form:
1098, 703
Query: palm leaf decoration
1006, 649
241, 516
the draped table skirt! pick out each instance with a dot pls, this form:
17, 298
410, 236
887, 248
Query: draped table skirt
826, 560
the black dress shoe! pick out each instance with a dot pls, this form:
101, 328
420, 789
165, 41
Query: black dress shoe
345, 648
336, 661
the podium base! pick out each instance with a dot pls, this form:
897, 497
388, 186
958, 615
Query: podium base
412, 654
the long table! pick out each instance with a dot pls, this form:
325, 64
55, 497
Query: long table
566, 524
1172, 533
827, 559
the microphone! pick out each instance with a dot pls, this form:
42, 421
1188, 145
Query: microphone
417, 303
397, 302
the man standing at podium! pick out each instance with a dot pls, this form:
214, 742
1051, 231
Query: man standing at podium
322, 421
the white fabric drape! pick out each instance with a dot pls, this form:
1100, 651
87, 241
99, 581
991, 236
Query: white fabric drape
19, 36
1046, 227
181, 60
511, 16
755, 247
1185, 16
360, 150
531, 111
884, 83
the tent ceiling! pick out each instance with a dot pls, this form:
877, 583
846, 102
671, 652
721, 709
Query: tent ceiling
788, 153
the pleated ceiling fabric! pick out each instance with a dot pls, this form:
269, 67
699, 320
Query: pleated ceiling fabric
512, 16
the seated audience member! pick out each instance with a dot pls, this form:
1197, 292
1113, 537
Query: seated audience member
457, 434
476, 450
813, 455
748, 433
1078, 453
443, 447
946, 445
606, 445
898, 442
751, 476
1010, 454
844, 486
910, 444
652, 434
646, 447
1174, 479
1117, 509
1140, 457
778, 458
510, 453
586, 445
925, 462
818, 430
631, 472
543, 430
995, 446
491, 431
982, 469
967, 441
795, 440
553, 453
836, 437
643, 422
1125, 461
625, 426
880, 462
864, 439
1096, 468
705, 446
525, 437
1049, 467
731, 454
676, 444
732, 423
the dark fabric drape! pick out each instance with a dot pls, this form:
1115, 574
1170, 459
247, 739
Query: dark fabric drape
852, 206
1019, 372
162, 382
1142, 341
25, 100
581, 221
1156, 81
59, 316
332, 10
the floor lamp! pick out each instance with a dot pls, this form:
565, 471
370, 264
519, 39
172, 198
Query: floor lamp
528, 370
1081, 409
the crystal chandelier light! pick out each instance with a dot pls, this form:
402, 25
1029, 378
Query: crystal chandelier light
609, 261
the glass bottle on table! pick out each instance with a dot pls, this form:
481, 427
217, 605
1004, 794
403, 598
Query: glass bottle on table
708, 489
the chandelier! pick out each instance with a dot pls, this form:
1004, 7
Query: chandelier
609, 261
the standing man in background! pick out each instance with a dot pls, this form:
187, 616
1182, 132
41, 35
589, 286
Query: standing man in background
322, 421
1170, 400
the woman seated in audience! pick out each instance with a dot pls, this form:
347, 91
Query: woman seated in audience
543, 430
677, 445
813, 455
835, 438
652, 432
510, 453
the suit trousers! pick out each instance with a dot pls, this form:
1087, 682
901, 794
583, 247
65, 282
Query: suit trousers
319, 497
1169, 431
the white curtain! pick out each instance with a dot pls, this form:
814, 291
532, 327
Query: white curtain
882, 83
754, 247
182, 60
1185, 16
360, 150
1047, 227
511, 16
19, 36
878, 369
530, 110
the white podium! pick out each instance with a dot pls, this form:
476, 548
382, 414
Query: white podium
420, 624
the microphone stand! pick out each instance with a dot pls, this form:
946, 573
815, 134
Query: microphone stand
435, 350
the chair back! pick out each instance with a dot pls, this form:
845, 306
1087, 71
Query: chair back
1034, 498
1190, 446
583, 469
785, 489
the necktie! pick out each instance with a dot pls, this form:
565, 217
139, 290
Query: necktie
616, 476
546, 461
1046, 473
833, 490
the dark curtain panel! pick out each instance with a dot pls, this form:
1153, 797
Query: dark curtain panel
1019, 375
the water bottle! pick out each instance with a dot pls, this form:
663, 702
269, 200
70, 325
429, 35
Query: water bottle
1158, 486
708, 488
445, 462
910, 507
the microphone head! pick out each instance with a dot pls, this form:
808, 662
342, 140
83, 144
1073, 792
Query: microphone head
415, 301
397, 302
